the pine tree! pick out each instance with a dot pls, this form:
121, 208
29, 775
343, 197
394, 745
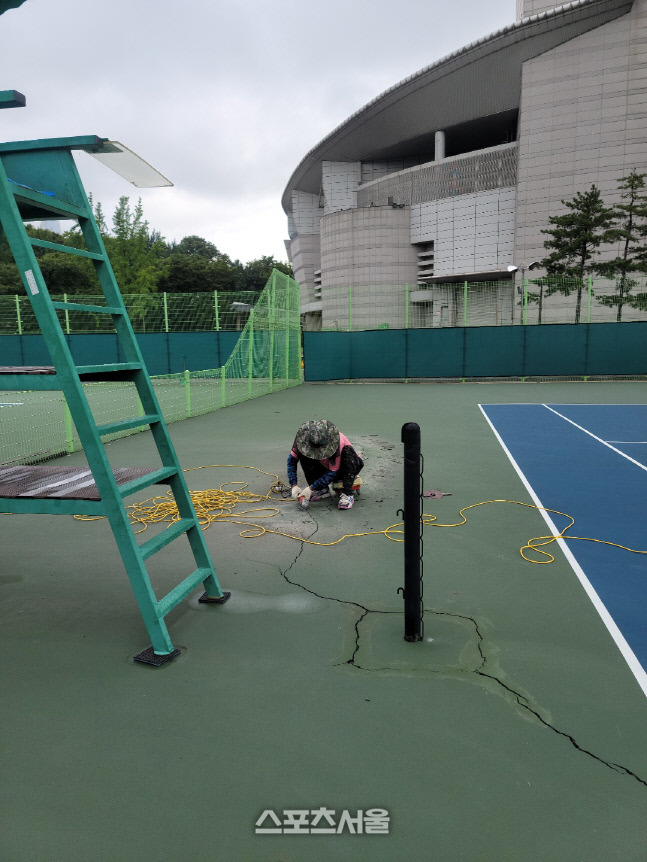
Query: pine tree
629, 231
574, 240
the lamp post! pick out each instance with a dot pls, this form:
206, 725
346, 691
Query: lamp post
523, 288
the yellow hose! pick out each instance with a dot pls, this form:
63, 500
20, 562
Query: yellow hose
221, 504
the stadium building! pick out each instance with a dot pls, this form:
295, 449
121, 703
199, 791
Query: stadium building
450, 175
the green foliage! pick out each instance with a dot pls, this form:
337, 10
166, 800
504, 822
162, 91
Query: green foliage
64, 274
254, 275
629, 233
143, 262
574, 240
195, 246
196, 274
576, 235
136, 255
9, 278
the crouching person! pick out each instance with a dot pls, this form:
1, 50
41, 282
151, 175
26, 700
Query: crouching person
325, 456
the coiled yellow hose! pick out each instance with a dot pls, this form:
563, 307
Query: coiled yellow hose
222, 504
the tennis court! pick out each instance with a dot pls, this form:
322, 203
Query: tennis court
590, 461
515, 730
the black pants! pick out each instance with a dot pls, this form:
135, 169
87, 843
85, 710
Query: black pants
349, 467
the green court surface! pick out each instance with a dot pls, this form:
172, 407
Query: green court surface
514, 731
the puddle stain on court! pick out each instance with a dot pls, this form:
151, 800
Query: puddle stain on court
243, 602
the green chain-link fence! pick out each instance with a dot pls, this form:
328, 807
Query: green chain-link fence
35, 425
215, 311
494, 303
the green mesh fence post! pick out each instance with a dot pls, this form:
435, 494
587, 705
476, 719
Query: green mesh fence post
525, 302
69, 427
273, 292
223, 387
67, 316
287, 339
187, 392
251, 352
271, 319
165, 312
215, 306
465, 304
18, 318
406, 306
350, 308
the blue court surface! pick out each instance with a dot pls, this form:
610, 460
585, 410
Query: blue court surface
589, 461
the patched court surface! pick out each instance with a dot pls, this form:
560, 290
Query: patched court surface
297, 724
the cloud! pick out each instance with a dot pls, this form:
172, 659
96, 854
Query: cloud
225, 99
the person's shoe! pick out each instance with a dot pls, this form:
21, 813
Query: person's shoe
346, 501
320, 495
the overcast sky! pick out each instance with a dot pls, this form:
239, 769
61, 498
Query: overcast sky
223, 98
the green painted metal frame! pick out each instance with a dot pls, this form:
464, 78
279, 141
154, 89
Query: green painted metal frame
43, 178
12, 98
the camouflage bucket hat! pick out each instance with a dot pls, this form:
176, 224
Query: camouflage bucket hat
317, 439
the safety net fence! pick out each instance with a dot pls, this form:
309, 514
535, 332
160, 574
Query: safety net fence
528, 301
37, 425
213, 311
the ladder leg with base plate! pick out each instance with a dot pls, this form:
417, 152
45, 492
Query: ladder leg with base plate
39, 181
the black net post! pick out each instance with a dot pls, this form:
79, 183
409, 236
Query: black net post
412, 515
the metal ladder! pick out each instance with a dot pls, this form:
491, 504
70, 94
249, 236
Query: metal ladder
39, 181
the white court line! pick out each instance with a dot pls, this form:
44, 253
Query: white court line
595, 437
628, 654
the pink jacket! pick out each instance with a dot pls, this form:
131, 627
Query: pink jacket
333, 463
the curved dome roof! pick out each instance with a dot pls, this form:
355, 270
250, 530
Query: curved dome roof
480, 80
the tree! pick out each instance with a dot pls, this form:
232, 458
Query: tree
574, 240
544, 285
143, 262
62, 272
97, 212
9, 276
629, 231
65, 274
199, 247
192, 273
195, 265
254, 275
136, 255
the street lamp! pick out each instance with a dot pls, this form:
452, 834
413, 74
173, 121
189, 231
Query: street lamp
522, 289
523, 269
240, 308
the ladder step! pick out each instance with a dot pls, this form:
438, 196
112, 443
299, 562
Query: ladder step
177, 529
68, 249
95, 309
126, 424
157, 477
182, 590
111, 372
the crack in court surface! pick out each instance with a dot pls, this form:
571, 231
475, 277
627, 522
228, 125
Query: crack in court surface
520, 699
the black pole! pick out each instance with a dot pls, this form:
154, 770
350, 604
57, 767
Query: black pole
412, 592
